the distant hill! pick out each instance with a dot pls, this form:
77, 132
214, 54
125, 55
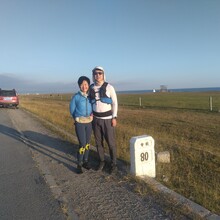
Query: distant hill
10, 81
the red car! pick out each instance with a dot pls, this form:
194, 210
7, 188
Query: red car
9, 98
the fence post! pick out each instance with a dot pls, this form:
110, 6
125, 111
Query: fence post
210, 103
140, 101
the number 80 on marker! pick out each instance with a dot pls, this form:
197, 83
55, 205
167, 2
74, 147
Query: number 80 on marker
142, 156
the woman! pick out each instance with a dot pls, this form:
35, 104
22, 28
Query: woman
81, 111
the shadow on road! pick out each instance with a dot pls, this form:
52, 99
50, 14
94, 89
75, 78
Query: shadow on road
63, 152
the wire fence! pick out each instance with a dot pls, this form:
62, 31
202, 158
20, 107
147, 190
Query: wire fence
208, 101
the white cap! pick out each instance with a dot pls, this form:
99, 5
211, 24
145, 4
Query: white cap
98, 68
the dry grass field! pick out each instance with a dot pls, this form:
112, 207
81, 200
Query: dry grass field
179, 122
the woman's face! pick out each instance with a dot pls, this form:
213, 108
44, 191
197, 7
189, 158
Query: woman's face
84, 87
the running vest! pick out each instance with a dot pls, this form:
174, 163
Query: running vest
102, 94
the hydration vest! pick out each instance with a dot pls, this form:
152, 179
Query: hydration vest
102, 94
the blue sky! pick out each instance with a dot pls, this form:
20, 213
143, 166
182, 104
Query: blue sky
142, 44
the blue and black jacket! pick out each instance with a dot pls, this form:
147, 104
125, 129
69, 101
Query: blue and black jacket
80, 105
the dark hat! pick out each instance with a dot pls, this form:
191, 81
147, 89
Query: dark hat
82, 78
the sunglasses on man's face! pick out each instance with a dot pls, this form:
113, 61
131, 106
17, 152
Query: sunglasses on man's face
98, 73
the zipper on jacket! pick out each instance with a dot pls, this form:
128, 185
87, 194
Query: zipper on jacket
86, 106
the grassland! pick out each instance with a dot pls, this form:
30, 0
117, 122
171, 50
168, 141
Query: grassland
179, 122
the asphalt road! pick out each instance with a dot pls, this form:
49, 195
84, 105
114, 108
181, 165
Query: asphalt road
24, 193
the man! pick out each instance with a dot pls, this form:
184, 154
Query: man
105, 108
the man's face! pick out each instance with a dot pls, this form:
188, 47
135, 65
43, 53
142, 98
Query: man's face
99, 76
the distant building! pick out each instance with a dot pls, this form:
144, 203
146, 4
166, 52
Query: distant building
163, 88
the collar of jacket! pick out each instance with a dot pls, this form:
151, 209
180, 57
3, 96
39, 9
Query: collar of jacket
83, 94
